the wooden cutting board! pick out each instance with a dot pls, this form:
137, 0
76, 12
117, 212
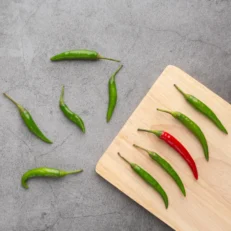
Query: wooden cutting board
207, 206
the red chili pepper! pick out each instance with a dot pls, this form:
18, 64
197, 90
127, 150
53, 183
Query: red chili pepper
175, 144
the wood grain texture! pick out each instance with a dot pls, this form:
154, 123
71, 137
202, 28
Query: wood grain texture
208, 202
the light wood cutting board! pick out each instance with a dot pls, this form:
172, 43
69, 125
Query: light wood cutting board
207, 206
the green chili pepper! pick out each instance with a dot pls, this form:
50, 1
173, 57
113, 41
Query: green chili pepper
44, 172
166, 166
193, 127
204, 109
80, 54
28, 120
149, 179
112, 94
69, 114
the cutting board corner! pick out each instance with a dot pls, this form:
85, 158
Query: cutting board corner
205, 207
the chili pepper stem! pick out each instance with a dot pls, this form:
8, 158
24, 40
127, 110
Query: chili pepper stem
13, 101
115, 73
166, 111
183, 93
137, 146
157, 133
113, 79
101, 57
74, 172
124, 158
151, 154
61, 100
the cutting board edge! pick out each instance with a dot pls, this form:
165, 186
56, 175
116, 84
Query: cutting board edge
135, 200
165, 70
194, 80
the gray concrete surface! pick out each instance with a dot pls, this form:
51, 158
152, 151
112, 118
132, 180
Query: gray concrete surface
146, 36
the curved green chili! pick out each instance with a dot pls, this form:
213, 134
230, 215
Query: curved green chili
112, 94
44, 172
149, 179
166, 166
204, 109
69, 114
80, 54
193, 127
28, 120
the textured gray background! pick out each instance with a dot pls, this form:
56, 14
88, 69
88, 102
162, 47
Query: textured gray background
146, 36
